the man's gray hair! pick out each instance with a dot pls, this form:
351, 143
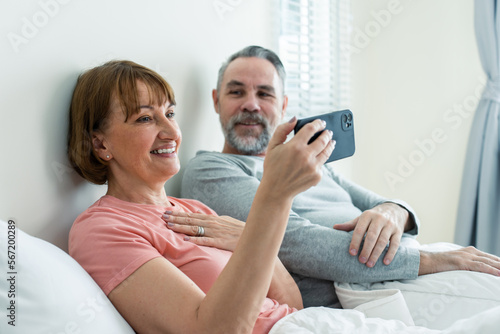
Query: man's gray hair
257, 52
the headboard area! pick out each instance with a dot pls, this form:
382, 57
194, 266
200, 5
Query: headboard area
46, 44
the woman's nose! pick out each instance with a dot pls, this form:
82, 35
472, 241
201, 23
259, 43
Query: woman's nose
169, 130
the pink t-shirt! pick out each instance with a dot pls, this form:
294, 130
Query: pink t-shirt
113, 238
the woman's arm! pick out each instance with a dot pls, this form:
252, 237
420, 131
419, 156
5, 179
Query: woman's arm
223, 232
158, 297
283, 288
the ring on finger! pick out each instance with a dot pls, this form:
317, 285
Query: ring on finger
201, 231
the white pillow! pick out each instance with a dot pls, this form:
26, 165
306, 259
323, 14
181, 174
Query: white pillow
53, 293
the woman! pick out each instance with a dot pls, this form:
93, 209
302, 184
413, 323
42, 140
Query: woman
123, 133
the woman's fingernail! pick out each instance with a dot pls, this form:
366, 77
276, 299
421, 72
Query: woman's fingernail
186, 238
168, 212
323, 122
170, 224
164, 216
292, 119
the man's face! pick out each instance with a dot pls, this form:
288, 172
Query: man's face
250, 105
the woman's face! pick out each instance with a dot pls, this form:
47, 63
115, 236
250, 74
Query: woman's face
143, 148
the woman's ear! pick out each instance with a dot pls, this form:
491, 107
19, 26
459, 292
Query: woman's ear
98, 143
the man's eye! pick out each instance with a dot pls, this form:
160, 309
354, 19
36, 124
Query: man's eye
234, 92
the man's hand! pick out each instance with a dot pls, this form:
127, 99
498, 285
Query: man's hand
382, 225
468, 258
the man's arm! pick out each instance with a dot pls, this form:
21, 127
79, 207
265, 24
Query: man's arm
227, 184
365, 199
382, 222
467, 258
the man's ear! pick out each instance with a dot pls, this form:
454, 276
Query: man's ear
99, 146
285, 104
215, 99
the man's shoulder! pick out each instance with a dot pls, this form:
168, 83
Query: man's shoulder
203, 155
218, 159
210, 173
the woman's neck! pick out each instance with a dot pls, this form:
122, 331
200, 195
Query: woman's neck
138, 193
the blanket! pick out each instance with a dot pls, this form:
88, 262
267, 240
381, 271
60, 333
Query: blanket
447, 302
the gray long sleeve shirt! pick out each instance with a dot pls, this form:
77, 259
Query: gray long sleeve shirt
315, 254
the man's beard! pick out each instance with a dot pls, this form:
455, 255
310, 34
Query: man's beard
248, 143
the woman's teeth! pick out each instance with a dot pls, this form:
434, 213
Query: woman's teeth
163, 150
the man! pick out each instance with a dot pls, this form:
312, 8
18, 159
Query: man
250, 101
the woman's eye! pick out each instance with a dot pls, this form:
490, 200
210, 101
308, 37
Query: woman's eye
144, 119
170, 114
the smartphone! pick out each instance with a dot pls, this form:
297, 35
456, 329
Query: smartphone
341, 123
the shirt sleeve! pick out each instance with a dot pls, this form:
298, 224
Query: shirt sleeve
365, 199
228, 186
109, 250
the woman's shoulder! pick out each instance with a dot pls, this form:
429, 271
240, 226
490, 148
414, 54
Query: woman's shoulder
104, 206
109, 215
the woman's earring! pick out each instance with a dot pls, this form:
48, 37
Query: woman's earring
107, 157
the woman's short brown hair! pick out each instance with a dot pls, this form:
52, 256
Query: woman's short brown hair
90, 108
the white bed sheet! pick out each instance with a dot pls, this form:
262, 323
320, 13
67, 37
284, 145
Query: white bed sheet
447, 302
320, 320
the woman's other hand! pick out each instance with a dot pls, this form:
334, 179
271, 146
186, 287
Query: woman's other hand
221, 232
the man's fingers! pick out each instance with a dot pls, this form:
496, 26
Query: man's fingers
357, 235
492, 257
393, 248
487, 262
484, 267
467, 258
371, 238
347, 226
379, 247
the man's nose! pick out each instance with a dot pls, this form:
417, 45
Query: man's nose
251, 103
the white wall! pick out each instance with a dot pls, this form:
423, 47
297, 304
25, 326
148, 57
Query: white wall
415, 73
45, 44
405, 79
